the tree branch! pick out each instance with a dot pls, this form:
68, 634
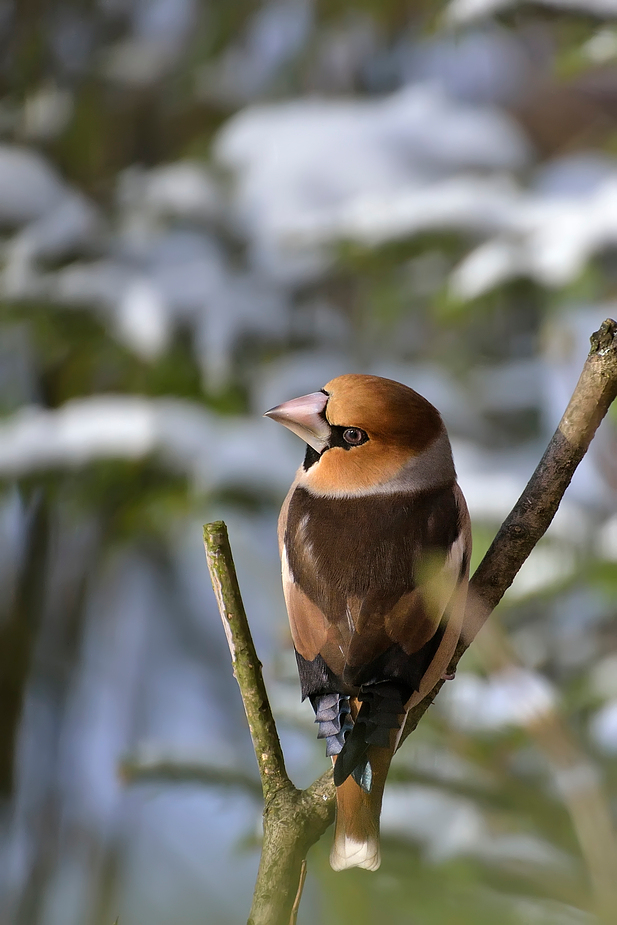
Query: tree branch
137, 769
294, 820
533, 513
290, 815
246, 665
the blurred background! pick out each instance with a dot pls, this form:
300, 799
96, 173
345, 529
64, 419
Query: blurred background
207, 208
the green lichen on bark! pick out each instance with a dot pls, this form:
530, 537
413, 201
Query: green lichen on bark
246, 665
293, 819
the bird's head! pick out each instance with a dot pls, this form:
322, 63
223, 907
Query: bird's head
365, 434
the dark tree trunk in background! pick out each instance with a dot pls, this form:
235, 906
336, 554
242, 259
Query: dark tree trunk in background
18, 634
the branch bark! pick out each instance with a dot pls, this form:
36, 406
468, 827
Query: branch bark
533, 513
293, 819
246, 665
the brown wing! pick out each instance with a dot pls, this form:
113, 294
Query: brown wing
384, 580
309, 626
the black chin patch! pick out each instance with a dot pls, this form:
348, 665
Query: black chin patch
310, 457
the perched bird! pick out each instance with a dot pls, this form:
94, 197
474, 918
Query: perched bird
375, 542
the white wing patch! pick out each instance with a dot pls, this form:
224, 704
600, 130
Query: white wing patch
288, 577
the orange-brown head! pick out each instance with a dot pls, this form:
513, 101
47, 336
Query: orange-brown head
368, 434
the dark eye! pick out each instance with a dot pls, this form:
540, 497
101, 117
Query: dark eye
354, 436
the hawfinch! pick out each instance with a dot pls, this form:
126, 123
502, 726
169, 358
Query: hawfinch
375, 542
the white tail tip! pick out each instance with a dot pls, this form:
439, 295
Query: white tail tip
347, 852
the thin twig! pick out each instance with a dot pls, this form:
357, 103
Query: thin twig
290, 817
294, 909
246, 665
533, 513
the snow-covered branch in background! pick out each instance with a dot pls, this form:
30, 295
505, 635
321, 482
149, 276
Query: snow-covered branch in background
463, 12
212, 451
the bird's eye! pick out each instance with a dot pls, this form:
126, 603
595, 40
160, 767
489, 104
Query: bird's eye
354, 436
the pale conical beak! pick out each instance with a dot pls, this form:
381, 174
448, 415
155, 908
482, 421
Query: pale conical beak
304, 416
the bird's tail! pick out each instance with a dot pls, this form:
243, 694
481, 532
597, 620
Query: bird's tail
360, 773
356, 834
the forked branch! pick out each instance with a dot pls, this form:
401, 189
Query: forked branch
293, 819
